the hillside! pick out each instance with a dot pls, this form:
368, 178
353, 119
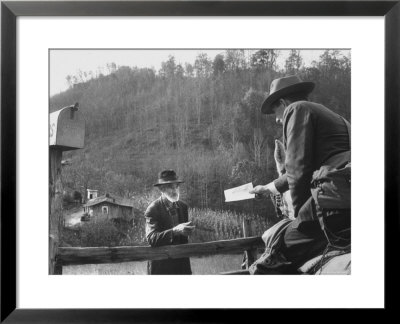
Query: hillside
202, 120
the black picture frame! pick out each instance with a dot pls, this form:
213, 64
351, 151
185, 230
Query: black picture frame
11, 10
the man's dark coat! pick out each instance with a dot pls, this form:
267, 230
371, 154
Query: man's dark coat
159, 224
313, 135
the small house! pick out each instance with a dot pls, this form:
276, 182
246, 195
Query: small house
110, 207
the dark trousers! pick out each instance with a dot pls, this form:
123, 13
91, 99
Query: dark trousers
304, 242
179, 266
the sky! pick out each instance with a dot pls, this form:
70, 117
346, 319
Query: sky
64, 62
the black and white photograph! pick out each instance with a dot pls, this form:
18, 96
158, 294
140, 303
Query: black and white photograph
190, 161
200, 161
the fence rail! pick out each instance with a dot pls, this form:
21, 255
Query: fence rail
97, 255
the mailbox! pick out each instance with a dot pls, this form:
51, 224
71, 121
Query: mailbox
67, 129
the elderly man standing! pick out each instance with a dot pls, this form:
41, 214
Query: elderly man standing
313, 136
167, 224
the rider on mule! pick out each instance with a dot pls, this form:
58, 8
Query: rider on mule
313, 136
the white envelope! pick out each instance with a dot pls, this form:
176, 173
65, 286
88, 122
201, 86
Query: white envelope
239, 193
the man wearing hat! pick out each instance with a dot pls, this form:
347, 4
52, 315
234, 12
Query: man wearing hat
167, 224
313, 136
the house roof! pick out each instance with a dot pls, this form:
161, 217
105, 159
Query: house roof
112, 199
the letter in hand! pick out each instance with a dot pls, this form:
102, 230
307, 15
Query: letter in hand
184, 229
260, 191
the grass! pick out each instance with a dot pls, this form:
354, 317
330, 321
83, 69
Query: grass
200, 266
216, 264
126, 268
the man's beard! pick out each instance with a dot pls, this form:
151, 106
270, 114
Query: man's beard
172, 195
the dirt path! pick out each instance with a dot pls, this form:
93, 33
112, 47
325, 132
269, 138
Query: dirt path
73, 217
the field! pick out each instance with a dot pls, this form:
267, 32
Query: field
211, 225
200, 266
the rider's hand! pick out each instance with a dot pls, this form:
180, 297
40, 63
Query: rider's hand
260, 190
184, 229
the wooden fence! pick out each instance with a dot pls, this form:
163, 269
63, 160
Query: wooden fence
98, 255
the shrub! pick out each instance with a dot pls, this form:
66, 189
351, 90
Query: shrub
77, 196
67, 199
100, 233
135, 235
71, 236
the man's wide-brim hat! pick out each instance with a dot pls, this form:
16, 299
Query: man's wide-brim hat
282, 87
166, 177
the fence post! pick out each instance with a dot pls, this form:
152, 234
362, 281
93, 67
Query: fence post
249, 255
55, 208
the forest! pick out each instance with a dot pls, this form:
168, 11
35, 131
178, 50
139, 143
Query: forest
201, 119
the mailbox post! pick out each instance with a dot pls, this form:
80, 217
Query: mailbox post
67, 132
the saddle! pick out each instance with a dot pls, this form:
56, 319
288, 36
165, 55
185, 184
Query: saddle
273, 262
